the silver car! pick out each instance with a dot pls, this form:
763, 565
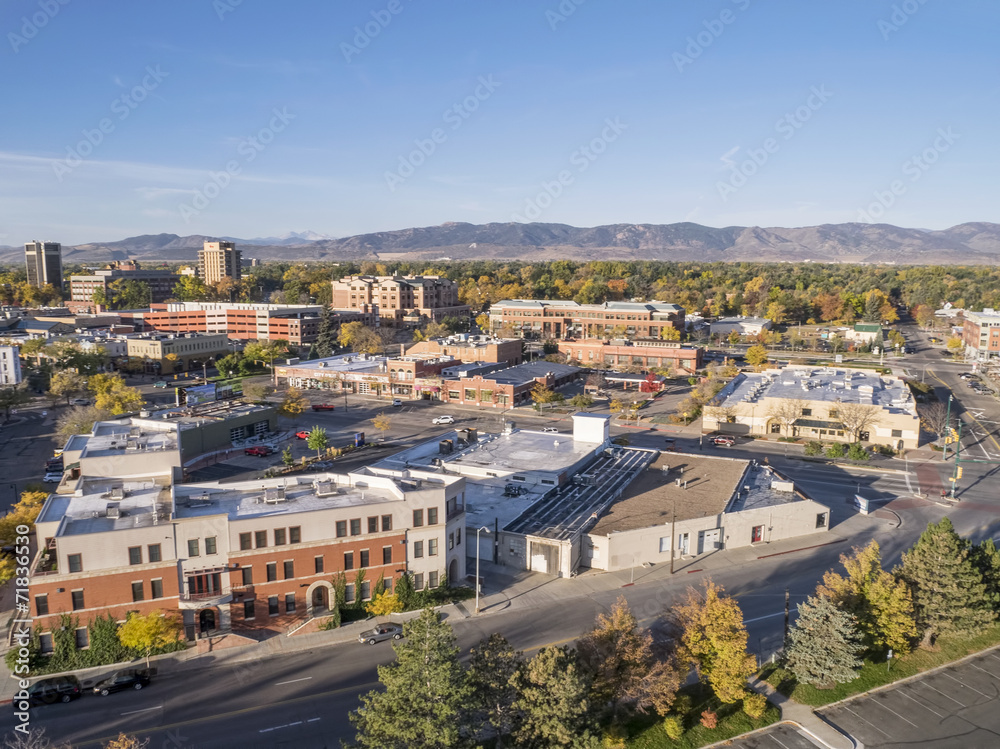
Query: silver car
381, 632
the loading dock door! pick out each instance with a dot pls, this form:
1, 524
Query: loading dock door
708, 540
544, 558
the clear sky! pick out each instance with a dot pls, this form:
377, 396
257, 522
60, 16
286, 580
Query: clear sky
255, 118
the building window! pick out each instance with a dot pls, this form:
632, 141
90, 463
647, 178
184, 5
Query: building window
154, 553
776, 428
349, 593
432, 516
45, 643
210, 546
156, 588
289, 569
451, 541
137, 591
664, 544
272, 606
807, 412
318, 564
279, 536
193, 547
366, 590
82, 638
418, 549
341, 528
135, 555
356, 527
295, 535
373, 525
75, 562
42, 604
348, 560
247, 575
365, 559
418, 518
418, 581
386, 555
821, 520
897, 432
272, 571
77, 597
432, 547
248, 612
386, 523
458, 537
289, 603
432, 579
260, 539
245, 542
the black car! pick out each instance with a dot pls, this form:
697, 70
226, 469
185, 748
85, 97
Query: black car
55, 689
122, 681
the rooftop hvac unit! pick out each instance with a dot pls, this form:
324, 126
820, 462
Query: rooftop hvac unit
324, 488
473, 434
446, 447
118, 493
275, 495
113, 510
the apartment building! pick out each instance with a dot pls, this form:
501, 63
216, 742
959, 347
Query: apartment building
43, 261
981, 334
161, 283
560, 319
402, 301
218, 260
817, 403
10, 365
640, 353
166, 353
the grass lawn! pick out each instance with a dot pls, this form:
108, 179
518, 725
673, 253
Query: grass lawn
646, 732
874, 675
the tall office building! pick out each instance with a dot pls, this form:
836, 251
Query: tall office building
44, 263
219, 260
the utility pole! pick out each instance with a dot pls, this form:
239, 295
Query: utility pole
958, 461
786, 615
673, 536
947, 429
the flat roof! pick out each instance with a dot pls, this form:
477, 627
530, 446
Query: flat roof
139, 502
522, 373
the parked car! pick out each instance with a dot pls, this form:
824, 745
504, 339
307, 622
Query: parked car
121, 681
381, 632
160, 384
302, 434
724, 441
397, 402
54, 464
52, 690
53, 477
320, 465
323, 407
443, 420
80, 402
550, 430
259, 450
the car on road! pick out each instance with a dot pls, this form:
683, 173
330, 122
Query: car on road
381, 632
53, 477
80, 402
723, 441
550, 430
55, 689
259, 450
323, 407
670, 446
443, 420
320, 465
302, 434
160, 384
397, 402
121, 681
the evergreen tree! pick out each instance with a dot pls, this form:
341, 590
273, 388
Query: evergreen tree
552, 700
405, 591
425, 691
949, 595
326, 338
492, 668
986, 557
824, 644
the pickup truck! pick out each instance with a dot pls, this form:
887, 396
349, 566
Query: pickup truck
260, 450
323, 407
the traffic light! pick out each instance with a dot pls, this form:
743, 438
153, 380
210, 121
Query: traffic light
958, 472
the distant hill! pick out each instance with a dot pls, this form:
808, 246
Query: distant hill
971, 243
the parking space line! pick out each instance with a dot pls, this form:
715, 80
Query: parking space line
992, 675
293, 681
924, 683
777, 741
914, 699
868, 722
886, 707
964, 685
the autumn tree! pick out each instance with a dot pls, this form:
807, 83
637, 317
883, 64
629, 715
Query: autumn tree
823, 646
493, 666
670, 333
483, 322
11, 397
34, 738
359, 338
714, 641
317, 440
934, 417
25, 512
553, 701
256, 391
757, 355
856, 418
294, 404
382, 422
881, 605
111, 394
149, 633
80, 420
127, 741
786, 411
384, 604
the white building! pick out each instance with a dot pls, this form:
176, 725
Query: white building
744, 326
10, 365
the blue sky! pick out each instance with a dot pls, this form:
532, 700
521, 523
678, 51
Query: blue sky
257, 118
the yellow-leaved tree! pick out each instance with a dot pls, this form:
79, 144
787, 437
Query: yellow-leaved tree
150, 632
23, 513
113, 395
384, 604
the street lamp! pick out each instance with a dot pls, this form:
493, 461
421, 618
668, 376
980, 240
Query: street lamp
478, 530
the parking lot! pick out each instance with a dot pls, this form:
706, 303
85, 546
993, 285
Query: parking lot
780, 736
956, 706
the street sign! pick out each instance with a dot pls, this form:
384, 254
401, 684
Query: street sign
861, 503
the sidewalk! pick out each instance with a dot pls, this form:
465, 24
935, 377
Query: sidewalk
803, 717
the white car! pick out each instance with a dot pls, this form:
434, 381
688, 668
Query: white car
52, 478
444, 420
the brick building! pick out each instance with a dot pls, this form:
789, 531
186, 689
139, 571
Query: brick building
402, 301
640, 354
473, 348
161, 283
558, 319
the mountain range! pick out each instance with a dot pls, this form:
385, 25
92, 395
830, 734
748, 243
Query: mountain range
966, 244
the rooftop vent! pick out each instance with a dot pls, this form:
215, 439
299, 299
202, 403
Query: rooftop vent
118, 493
324, 488
113, 510
275, 495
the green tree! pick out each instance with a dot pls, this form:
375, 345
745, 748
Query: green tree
714, 641
493, 667
360, 338
190, 289
294, 404
824, 645
326, 338
11, 397
286, 457
756, 355
66, 384
80, 420
111, 394
128, 293
949, 595
986, 559
317, 440
404, 591
149, 633
553, 701
425, 691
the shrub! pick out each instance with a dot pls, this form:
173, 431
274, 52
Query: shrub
755, 705
615, 737
858, 452
709, 719
886, 450
330, 622
673, 726
836, 450
814, 448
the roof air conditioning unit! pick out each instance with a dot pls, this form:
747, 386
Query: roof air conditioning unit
113, 510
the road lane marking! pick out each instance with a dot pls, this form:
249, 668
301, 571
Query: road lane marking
144, 710
293, 681
766, 616
992, 438
313, 720
278, 728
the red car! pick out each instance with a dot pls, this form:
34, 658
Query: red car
303, 435
723, 441
260, 451
323, 407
